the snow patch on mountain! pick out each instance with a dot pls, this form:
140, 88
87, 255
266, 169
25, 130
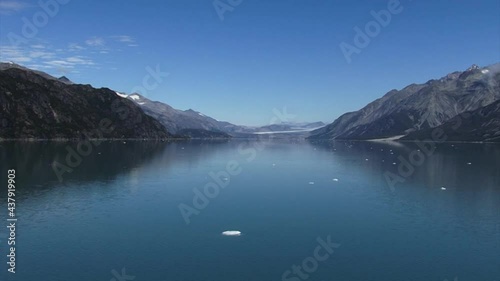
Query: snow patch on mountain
121, 95
135, 97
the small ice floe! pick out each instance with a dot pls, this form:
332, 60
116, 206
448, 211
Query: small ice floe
469, 163
366, 159
335, 179
182, 147
393, 163
231, 233
443, 188
311, 182
124, 142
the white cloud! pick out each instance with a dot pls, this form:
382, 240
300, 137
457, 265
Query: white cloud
95, 42
74, 47
11, 6
37, 58
123, 38
41, 54
80, 61
59, 63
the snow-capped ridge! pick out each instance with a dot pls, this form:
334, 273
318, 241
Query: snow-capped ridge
135, 97
121, 95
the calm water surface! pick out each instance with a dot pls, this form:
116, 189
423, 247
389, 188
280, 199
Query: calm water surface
119, 210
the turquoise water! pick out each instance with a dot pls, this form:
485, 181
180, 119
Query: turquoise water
119, 210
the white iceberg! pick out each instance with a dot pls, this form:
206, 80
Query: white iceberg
231, 233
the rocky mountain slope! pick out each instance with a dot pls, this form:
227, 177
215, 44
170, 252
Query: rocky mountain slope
176, 120
418, 106
482, 124
199, 125
36, 105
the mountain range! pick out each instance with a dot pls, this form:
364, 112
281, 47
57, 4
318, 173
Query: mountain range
36, 105
412, 112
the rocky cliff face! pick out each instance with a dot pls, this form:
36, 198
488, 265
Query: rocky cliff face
482, 124
418, 106
36, 105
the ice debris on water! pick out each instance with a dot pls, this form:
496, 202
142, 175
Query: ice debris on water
231, 233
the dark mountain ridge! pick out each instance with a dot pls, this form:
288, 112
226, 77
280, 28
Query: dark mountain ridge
418, 106
35, 105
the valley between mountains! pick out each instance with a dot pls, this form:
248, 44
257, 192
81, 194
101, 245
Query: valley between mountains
465, 105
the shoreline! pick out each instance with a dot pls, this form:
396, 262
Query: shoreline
387, 140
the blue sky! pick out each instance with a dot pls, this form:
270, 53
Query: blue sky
259, 56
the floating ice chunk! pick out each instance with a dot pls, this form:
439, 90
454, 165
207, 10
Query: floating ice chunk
231, 233
394, 163
311, 182
469, 163
443, 188
335, 179
366, 159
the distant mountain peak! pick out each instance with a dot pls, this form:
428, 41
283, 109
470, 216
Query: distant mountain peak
420, 107
135, 97
65, 79
473, 67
